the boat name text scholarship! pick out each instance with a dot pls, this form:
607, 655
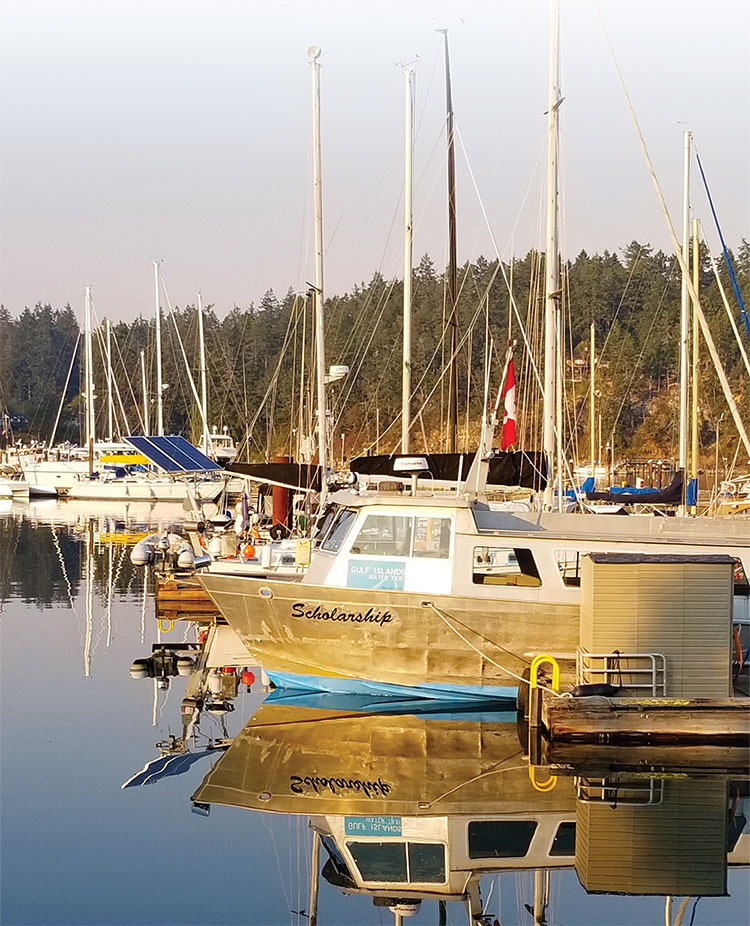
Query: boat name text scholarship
370, 789
370, 616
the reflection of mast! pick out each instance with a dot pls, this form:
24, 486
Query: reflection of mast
109, 593
89, 599
315, 878
143, 603
541, 896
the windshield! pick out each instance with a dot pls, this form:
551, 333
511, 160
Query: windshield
338, 530
419, 863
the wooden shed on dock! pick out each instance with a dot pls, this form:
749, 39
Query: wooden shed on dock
678, 607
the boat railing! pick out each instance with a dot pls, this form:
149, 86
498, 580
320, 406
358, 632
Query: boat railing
636, 671
608, 791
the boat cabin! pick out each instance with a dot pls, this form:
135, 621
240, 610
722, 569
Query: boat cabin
416, 858
439, 543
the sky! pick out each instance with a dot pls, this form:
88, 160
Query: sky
180, 131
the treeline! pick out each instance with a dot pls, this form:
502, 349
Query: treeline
260, 359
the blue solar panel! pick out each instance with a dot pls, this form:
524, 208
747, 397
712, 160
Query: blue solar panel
143, 445
173, 454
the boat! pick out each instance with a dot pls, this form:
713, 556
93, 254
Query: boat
174, 470
442, 595
221, 447
14, 487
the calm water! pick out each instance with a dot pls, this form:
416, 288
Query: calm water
76, 848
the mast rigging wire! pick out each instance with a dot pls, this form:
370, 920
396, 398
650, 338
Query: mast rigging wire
724, 247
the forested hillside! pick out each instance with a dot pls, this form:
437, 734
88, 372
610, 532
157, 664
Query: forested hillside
257, 354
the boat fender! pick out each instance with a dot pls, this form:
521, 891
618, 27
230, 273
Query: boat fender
185, 556
184, 665
598, 690
200, 562
142, 553
140, 668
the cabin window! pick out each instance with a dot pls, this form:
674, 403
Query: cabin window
419, 863
741, 586
426, 863
324, 522
335, 870
384, 535
569, 564
564, 842
505, 566
500, 838
432, 537
338, 530
380, 861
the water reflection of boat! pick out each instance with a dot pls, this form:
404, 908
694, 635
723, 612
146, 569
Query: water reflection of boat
394, 795
294, 759
412, 807
215, 668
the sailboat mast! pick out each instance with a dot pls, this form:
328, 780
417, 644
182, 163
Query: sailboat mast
89, 403
408, 259
159, 386
685, 309
452, 428
110, 400
592, 401
552, 274
145, 393
694, 374
313, 55
204, 387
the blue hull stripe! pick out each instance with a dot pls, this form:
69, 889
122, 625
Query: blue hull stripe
358, 686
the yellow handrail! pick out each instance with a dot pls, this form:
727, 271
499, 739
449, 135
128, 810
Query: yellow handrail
535, 663
547, 785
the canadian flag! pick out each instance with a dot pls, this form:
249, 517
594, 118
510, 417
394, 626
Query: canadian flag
508, 395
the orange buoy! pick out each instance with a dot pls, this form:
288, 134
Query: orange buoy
248, 678
248, 551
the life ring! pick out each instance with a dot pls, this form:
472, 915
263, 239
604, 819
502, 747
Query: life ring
202, 541
248, 551
255, 533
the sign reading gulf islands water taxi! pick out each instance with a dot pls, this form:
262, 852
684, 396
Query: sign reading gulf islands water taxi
372, 826
373, 573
